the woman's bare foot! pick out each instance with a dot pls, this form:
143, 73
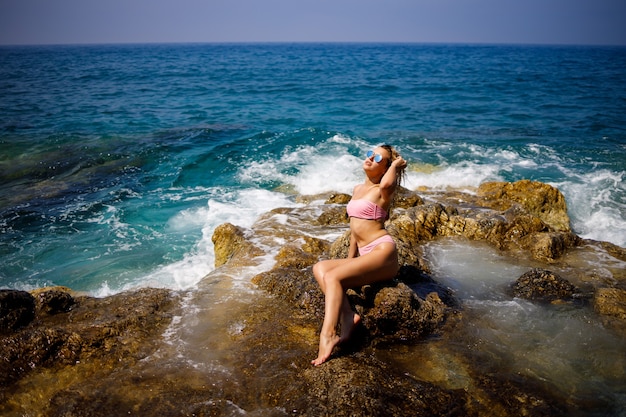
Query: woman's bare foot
327, 344
348, 324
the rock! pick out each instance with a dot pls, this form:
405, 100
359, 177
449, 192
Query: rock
539, 199
549, 246
53, 300
327, 198
398, 314
610, 302
612, 249
510, 230
334, 215
363, 386
117, 329
292, 256
542, 285
338, 198
339, 248
405, 198
296, 287
408, 241
109, 356
423, 284
17, 309
230, 243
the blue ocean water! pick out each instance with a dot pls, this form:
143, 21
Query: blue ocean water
117, 162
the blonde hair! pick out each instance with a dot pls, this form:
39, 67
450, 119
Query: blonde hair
394, 155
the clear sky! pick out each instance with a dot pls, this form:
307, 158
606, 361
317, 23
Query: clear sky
456, 21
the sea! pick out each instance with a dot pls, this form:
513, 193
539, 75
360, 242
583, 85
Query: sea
118, 162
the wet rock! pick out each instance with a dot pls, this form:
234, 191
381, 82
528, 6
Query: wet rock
230, 243
510, 230
610, 302
17, 309
53, 300
612, 249
327, 198
524, 216
339, 248
117, 329
550, 246
405, 198
423, 284
539, 199
505, 396
105, 350
394, 312
338, 198
299, 257
542, 285
334, 215
295, 286
363, 386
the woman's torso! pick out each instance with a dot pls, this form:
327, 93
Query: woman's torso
366, 230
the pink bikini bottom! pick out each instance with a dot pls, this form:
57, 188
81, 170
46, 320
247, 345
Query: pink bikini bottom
370, 246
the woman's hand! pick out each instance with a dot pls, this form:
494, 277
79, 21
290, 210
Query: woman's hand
399, 163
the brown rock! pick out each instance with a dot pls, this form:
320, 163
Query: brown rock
549, 246
338, 198
390, 310
296, 287
301, 256
17, 309
339, 248
291, 256
53, 300
610, 302
119, 329
537, 198
363, 386
333, 215
230, 242
540, 284
404, 198
399, 314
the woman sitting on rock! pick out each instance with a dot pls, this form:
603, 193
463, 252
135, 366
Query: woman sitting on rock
377, 258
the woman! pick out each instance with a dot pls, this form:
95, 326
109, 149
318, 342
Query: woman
378, 257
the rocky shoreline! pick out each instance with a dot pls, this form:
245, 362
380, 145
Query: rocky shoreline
68, 354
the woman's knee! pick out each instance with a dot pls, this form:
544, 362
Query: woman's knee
318, 271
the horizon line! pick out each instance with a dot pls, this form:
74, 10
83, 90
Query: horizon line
459, 43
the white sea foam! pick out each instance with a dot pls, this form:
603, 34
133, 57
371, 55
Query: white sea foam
239, 207
310, 169
466, 175
596, 206
322, 174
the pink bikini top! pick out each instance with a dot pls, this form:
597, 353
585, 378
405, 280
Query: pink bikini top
365, 209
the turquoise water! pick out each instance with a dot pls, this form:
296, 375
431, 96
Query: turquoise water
117, 162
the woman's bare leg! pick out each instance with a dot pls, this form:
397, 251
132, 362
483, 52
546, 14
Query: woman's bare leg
332, 306
348, 318
334, 276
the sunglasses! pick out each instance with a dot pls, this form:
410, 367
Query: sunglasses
377, 157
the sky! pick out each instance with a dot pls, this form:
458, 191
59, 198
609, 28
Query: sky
579, 22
